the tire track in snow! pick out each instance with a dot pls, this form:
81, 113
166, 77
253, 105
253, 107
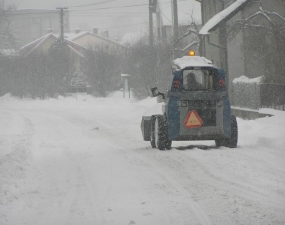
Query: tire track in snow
194, 205
244, 190
254, 197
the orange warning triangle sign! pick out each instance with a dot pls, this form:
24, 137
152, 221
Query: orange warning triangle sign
193, 120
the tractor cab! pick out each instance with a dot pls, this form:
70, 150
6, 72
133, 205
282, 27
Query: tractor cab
196, 107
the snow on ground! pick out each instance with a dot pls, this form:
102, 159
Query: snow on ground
82, 160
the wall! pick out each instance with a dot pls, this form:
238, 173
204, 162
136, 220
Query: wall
252, 68
214, 53
238, 62
236, 59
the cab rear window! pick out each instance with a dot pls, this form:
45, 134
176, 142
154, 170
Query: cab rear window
197, 80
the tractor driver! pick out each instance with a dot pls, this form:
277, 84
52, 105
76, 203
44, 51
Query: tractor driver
192, 83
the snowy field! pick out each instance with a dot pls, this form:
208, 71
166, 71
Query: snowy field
82, 160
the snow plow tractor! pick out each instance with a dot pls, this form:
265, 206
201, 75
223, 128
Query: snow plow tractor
196, 107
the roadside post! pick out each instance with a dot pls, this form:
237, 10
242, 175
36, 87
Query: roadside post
126, 86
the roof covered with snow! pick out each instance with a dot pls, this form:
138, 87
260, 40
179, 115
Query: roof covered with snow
75, 36
189, 61
226, 14
32, 46
131, 38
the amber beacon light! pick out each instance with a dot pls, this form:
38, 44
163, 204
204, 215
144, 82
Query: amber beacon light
191, 53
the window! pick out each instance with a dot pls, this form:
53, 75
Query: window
197, 80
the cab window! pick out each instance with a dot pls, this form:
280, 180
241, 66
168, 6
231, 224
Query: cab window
197, 80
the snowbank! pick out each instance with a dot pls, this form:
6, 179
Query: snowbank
244, 79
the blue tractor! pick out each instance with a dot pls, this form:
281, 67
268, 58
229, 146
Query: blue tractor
196, 107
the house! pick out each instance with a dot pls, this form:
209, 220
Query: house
31, 24
229, 52
93, 40
78, 44
43, 44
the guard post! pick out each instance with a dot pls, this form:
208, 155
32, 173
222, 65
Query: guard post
126, 86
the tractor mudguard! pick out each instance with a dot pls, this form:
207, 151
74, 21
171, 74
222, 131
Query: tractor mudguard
173, 114
227, 107
173, 118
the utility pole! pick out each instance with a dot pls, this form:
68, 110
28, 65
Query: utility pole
175, 27
150, 23
158, 24
61, 22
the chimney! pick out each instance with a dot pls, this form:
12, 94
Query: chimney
77, 30
105, 34
95, 30
49, 30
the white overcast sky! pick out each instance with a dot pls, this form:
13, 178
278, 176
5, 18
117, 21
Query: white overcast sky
118, 14
90, 16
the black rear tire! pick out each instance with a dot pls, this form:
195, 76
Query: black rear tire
152, 136
160, 132
168, 145
220, 142
230, 142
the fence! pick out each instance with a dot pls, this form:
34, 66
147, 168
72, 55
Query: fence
246, 93
250, 93
272, 96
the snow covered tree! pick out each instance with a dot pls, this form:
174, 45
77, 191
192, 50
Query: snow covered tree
265, 41
59, 66
78, 81
103, 69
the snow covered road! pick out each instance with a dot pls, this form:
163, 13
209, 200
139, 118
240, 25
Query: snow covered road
83, 161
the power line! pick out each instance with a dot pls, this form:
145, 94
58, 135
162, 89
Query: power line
91, 15
16, 14
114, 7
82, 10
108, 14
120, 26
77, 6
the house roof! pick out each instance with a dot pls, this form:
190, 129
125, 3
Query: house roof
32, 46
131, 38
74, 37
188, 11
223, 16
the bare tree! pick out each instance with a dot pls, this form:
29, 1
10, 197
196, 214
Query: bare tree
149, 67
265, 41
103, 69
